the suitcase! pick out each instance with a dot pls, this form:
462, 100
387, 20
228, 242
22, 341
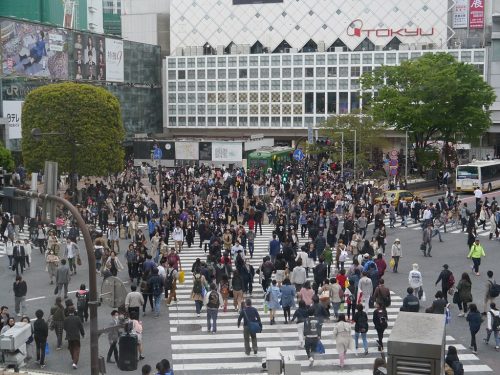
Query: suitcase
127, 352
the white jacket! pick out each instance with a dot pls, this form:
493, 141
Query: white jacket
177, 234
298, 275
415, 279
490, 318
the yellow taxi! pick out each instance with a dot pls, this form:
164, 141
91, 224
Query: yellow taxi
394, 196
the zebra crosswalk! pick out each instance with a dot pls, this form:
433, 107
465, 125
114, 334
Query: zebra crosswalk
20, 236
199, 352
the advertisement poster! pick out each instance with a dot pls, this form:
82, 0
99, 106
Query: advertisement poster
186, 150
460, 13
114, 60
89, 57
33, 50
12, 110
476, 14
227, 151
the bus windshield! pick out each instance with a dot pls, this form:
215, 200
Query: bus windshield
464, 172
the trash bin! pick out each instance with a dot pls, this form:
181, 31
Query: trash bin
127, 352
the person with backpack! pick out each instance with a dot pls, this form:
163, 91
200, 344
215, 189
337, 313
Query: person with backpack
213, 301
380, 321
320, 274
171, 276
311, 336
464, 293
492, 291
493, 326
266, 272
447, 281
82, 303
40, 334
198, 291
475, 320
360, 327
237, 287
382, 294
251, 325
453, 362
155, 287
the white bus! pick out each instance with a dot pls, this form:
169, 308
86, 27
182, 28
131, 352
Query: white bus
485, 174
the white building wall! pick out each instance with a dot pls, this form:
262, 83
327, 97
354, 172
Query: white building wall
197, 22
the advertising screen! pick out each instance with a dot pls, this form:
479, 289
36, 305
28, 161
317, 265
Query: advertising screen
89, 57
33, 50
240, 2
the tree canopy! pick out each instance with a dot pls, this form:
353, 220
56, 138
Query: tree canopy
434, 97
6, 159
86, 116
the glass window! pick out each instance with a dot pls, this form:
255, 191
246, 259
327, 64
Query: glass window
254, 73
286, 60
286, 84
201, 74
211, 86
221, 121
191, 120
379, 58
367, 58
264, 85
297, 84
221, 109
275, 109
172, 98
275, 60
320, 72
287, 122
275, 121
191, 74
221, 85
191, 110
415, 55
191, 62
212, 121
211, 73
287, 72
221, 62
320, 102
355, 58
309, 60
191, 98
191, 86
309, 84
479, 56
297, 60
232, 74
202, 98
254, 61
264, 121
332, 84
212, 98
320, 84
182, 86
264, 97
320, 59
232, 62
181, 63
309, 72
466, 56
254, 85
243, 97
275, 84
254, 121
332, 71
354, 101
221, 74
343, 84
243, 121
344, 59
332, 59
264, 109
343, 71
390, 58
243, 61
297, 97
297, 122
233, 121
232, 97
201, 62
332, 103
181, 74
309, 102
297, 72
232, 86
232, 109
221, 97
354, 84
355, 71
172, 109
367, 69
275, 97
181, 109
243, 109
182, 121
212, 110
275, 72
243, 73
264, 73
287, 97
171, 75
343, 102
264, 60
403, 56
202, 121
211, 62
171, 86
172, 63
254, 109
243, 85
297, 109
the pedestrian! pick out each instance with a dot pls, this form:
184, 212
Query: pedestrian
447, 281
272, 297
311, 336
146, 370
82, 302
51, 262
178, 237
249, 314
492, 291
155, 287
493, 326
379, 366
380, 321
474, 319
19, 255
237, 287
133, 301
287, 298
464, 288
137, 330
11, 321
29, 342
343, 338
298, 277
57, 314
411, 302
40, 334
365, 291
475, 253
213, 302
113, 336
438, 305
199, 290
396, 253
360, 328
113, 264
415, 281
382, 294
306, 293
452, 362
20, 288
427, 240
72, 254
62, 278
300, 315
74, 329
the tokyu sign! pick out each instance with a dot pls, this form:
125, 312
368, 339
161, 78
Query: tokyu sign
356, 29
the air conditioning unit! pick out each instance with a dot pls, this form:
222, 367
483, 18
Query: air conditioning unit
339, 49
379, 48
321, 46
294, 50
287, 50
431, 46
234, 49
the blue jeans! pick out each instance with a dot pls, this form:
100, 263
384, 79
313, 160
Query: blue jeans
199, 305
157, 305
363, 337
212, 317
251, 248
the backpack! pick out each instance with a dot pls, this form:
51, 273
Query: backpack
267, 271
494, 289
382, 320
169, 280
311, 327
495, 322
457, 367
343, 256
98, 253
197, 285
81, 300
156, 288
362, 323
213, 300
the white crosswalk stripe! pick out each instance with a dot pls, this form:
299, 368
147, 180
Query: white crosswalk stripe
21, 236
199, 352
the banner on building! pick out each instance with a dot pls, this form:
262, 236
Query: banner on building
476, 14
33, 50
186, 151
12, 110
227, 151
89, 57
114, 60
460, 13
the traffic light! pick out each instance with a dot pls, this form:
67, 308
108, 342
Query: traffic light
323, 141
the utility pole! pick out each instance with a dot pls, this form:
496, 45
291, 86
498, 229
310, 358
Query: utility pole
342, 157
355, 153
406, 157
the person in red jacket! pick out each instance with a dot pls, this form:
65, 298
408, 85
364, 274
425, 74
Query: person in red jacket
381, 265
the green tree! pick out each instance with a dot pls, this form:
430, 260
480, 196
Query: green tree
6, 159
90, 123
369, 139
434, 97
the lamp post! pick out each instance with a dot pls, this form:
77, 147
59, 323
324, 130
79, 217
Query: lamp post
355, 152
406, 156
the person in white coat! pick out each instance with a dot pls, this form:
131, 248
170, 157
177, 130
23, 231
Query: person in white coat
365, 290
9, 249
302, 255
415, 280
27, 251
178, 237
298, 277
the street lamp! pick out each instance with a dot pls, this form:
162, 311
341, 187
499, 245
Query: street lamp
355, 152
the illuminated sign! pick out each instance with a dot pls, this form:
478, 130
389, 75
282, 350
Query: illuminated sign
356, 29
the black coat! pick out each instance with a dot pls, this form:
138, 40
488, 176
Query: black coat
73, 327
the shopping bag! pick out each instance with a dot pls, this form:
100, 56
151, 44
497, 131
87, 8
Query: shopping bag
320, 348
342, 307
424, 298
182, 275
392, 263
266, 309
47, 348
78, 260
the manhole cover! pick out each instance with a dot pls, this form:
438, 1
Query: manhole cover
188, 327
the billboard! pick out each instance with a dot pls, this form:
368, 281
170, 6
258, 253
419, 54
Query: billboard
89, 57
227, 151
240, 2
114, 60
460, 12
12, 110
33, 50
476, 14
186, 150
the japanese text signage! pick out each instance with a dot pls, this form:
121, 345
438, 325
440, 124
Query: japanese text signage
12, 110
476, 14
460, 11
